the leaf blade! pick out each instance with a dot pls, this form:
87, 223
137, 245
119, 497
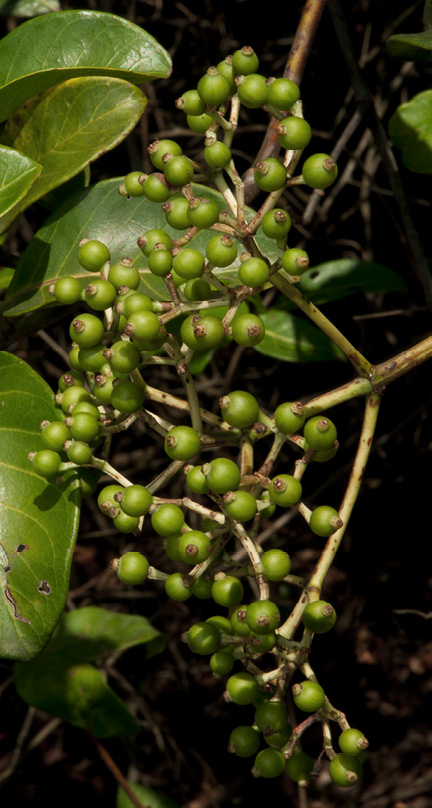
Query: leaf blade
17, 174
291, 339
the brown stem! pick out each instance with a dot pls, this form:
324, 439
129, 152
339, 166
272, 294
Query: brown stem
115, 771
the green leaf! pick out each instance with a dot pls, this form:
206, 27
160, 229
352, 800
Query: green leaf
38, 520
62, 681
292, 339
411, 47
101, 213
6, 275
148, 796
28, 8
17, 174
55, 198
410, 129
100, 112
334, 280
55, 47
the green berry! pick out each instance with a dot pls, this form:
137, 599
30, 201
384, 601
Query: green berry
155, 188
308, 696
67, 290
270, 174
159, 148
213, 88
239, 409
319, 616
196, 481
137, 302
84, 427
262, 616
126, 397
276, 223
194, 547
202, 332
218, 155
93, 255
125, 523
92, 359
293, 133
54, 435
319, 171
189, 264
71, 397
295, 261
289, 417
261, 644
199, 123
171, 548
285, 490
278, 739
221, 663
124, 274
221, 475
88, 480
352, 742
176, 212
197, 289
167, 519
182, 443
276, 564
135, 500
242, 688
227, 591
148, 242
248, 330
71, 379
142, 325
176, 589
178, 171
245, 61
272, 716
324, 521
282, 93
244, 741
226, 69
203, 638
124, 356
132, 184
132, 568
221, 251
191, 103
345, 770
106, 499
203, 213
87, 330
46, 463
320, 433
269, 763
254, 272
253, 91
160, 261
299, 767
240, 505
202, 587
238, 622
100, 294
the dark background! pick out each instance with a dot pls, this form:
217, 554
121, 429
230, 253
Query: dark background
376, 664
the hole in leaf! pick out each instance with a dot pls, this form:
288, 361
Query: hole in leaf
44, 588
22, 547
314, 275
7, 569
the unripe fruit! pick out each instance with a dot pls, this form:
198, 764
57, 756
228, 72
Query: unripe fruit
295, 261
70, 379
308, 696
319, 171
159, 148
72, 396
167, 519
125, 523
182, 443
254, 272
293, 133
213, 88
345, 770
189, 264
67, 290
289, 417
269, 763
324, 521
227, 591
221, 663
196, 481
84, 427
132, 184
203, 213
160, 261
93, 255
54, 435
218, 155
319, 616
155, 188
126, 397
244, 741
282, 93
87, 330
137, 302
248, 330
124, 274
106, 499
124, 356
238, 621
100, 294
270, 174
132, 568
221, 475
46, 463
178, 171
199, 123
142, 325
352, 742
320, 432
191, 103
221, 251
285, 490
272, 716
276, 223
240, 506
203, 638
245, 61
148, 242
176, 212
135, 500
299, 767
242, 688
175, 588
262, 616
276, 564
226, 69
197, 289
253, 91
239, 408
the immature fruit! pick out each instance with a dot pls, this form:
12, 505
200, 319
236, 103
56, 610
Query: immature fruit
160, 261
308, 696
193, 547
285, 490
282, 93
218, 155
254, 272
240, 505
155, 188
84, 427
54, 435
320, 433
262, 616
132, 568
242, 688
293, 133
125, 523
213, 88
227, 591
222, 663
67, 290
199, 123
352, 742
203, 213
159, 148
221, 251
345, 770
299, 767
191, 103
71, 397
142, 325
203, 638
276, 564
202, 332
124, 274
124, 356
261, 644
319, 616
106, 499
137, 302
248, 330
289, 417
182, 443
167, 519
238, 622
46, 463
269, 763
189, 264
196, 481
132, 184
276, 223
295, 261
324, 521
135, 500
239, 408
126, 397
244, 741
245, 61
93, 255
178, 171
70, 379
270, 174
87, 330
176, 589
271, 717
226, 69
202, 587
221, 475
176, 212
253, 90
197, 289
319, 171
148, 242
79, 453
92, 359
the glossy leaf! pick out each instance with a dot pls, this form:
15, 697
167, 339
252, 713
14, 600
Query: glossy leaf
334, 280
291, 339
62, 681
56, 47
148, 796
28, 8
55, 198
17, 174
36, 552
411, 47
100, 112
101, 213
410, 129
